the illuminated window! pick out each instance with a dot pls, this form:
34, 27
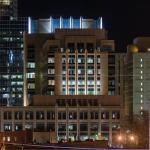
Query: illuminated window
141, 77
63, 72
5, 2
90, 82
90, 60
90, 71
13, 95
141, 65
19, 95
141, 108
80, 82
71, 82
5, 76
98, 71
31, 85
141, 59
31, 75
19, 76
51, 82
98, 60
64, 82
7, 127
141, 101
63, 60
79, 60
79, 71
50, 60
141, 89
51, 71
98, 82
141, 96
141, 71
141, 83
5, 95
31, 65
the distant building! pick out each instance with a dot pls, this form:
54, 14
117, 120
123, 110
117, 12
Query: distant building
138, 75
8, 8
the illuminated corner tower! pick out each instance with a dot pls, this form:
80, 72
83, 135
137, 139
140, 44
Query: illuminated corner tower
8, 8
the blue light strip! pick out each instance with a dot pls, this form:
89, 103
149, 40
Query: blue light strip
29, 25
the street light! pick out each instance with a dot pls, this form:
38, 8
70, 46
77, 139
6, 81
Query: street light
132, 138
120, 138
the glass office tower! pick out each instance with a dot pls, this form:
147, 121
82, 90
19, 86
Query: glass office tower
11, 53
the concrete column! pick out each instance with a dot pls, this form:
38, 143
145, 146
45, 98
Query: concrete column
78, 123
110, 127
13, 120
67, 130
89, 131
58, 74
99, 122
56, 121
76, 71
104, 74
95, 72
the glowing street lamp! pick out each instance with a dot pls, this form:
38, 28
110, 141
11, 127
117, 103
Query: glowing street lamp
132, 138
120, 138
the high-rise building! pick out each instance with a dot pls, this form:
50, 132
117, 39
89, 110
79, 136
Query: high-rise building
8, 8
11, 60
138, 70
11, 53
72, 62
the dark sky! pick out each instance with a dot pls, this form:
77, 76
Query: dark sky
124, 19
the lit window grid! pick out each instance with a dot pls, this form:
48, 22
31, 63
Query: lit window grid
78, 72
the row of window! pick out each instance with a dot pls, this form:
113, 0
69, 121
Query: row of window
73, 60
62, 127
40, 115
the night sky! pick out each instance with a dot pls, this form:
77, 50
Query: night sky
124, 19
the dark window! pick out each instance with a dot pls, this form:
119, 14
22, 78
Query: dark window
18, 127
115, 115
72, 115
105, 127
40, 115
18, 115
62, 127
28, 115
90, 47
51, 115
40, 127
61, 115
50, 126
94, 127
83, 115
83, 127
94, 115
105, 115
7, 115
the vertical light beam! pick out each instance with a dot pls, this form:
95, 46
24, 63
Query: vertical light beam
29, 25
101, 23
